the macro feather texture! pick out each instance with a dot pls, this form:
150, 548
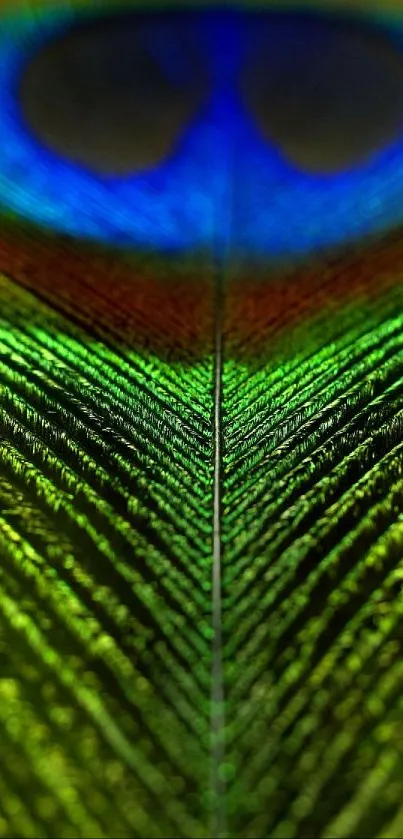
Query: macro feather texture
201, 498
106, 456
312, 532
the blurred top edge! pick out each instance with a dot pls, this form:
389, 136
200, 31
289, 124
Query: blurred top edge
367, 7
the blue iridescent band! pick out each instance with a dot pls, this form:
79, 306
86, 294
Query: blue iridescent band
221, 174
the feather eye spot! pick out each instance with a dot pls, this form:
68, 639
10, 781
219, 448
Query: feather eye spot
114, 94
328, 93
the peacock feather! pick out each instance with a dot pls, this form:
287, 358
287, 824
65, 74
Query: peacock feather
201, 447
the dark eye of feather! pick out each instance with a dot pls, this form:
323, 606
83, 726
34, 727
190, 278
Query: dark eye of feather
114, 94
328, 93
